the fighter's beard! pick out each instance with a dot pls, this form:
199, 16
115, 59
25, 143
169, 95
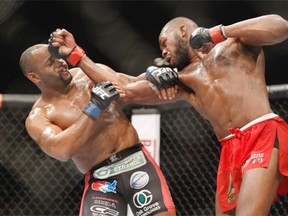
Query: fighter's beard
182, 55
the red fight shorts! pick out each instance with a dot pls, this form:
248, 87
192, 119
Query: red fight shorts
247, 148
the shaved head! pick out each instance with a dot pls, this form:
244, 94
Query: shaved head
176, 23
26, 61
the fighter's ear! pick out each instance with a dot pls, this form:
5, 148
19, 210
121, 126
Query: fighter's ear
33, 77
183, 30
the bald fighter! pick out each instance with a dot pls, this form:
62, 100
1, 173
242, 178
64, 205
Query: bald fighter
223, 70
80, 119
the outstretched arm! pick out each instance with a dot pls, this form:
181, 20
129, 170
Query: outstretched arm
63, 45
137, 89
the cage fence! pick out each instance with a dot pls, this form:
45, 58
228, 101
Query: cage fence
32, 183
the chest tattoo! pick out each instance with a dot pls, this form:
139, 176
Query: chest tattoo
245, 69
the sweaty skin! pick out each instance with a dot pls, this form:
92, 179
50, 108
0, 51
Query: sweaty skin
224, 82
227, 87
228, 79
56, 121
221, 100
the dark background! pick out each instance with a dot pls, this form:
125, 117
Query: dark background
121, 34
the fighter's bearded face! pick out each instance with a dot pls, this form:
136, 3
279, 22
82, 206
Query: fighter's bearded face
181, 53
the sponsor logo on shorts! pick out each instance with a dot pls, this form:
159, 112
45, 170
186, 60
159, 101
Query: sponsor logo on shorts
143, 201
131, 162
104, 186
139, 180
257, 157
231, 193
254, 158
105, 201
114, 158
102, 210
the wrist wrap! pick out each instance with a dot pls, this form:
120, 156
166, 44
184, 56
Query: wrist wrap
92, 110
217, 35
75, 56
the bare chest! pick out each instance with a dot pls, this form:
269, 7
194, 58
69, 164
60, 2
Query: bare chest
65, 111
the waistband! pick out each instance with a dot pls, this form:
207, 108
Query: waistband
118, 156
255, 121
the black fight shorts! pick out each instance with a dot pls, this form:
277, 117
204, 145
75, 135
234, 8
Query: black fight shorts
130, 177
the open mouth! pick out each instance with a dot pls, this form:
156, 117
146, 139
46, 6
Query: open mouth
64, 72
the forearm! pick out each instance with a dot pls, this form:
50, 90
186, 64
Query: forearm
86, 128
63, 144
63, 44
99, 72
95, 72
142, 92
259, 31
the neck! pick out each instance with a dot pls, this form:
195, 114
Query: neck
52, 94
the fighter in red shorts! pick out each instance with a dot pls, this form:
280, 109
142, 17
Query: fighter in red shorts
247, 148
222, 74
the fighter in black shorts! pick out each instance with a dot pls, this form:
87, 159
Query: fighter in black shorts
130, 176
79, 117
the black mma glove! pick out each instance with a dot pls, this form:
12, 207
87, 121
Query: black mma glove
162, 77
73, 58
102, 95
54, 52
202, 35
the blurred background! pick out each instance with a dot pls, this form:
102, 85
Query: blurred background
121, 34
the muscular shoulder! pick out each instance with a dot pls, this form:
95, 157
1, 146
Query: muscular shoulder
36, 113
80, 79
38, 110
240, 46
36, 117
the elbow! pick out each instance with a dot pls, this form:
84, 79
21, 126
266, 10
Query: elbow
276, 30
58, 146
285, 27
60, 154
275, 18
64, 154
63, 158
280, 25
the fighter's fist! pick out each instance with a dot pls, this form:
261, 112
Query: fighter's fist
61, 44
201, 36
162, 77
102, 95
54, 51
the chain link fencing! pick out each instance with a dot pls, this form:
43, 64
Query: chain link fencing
32, 183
